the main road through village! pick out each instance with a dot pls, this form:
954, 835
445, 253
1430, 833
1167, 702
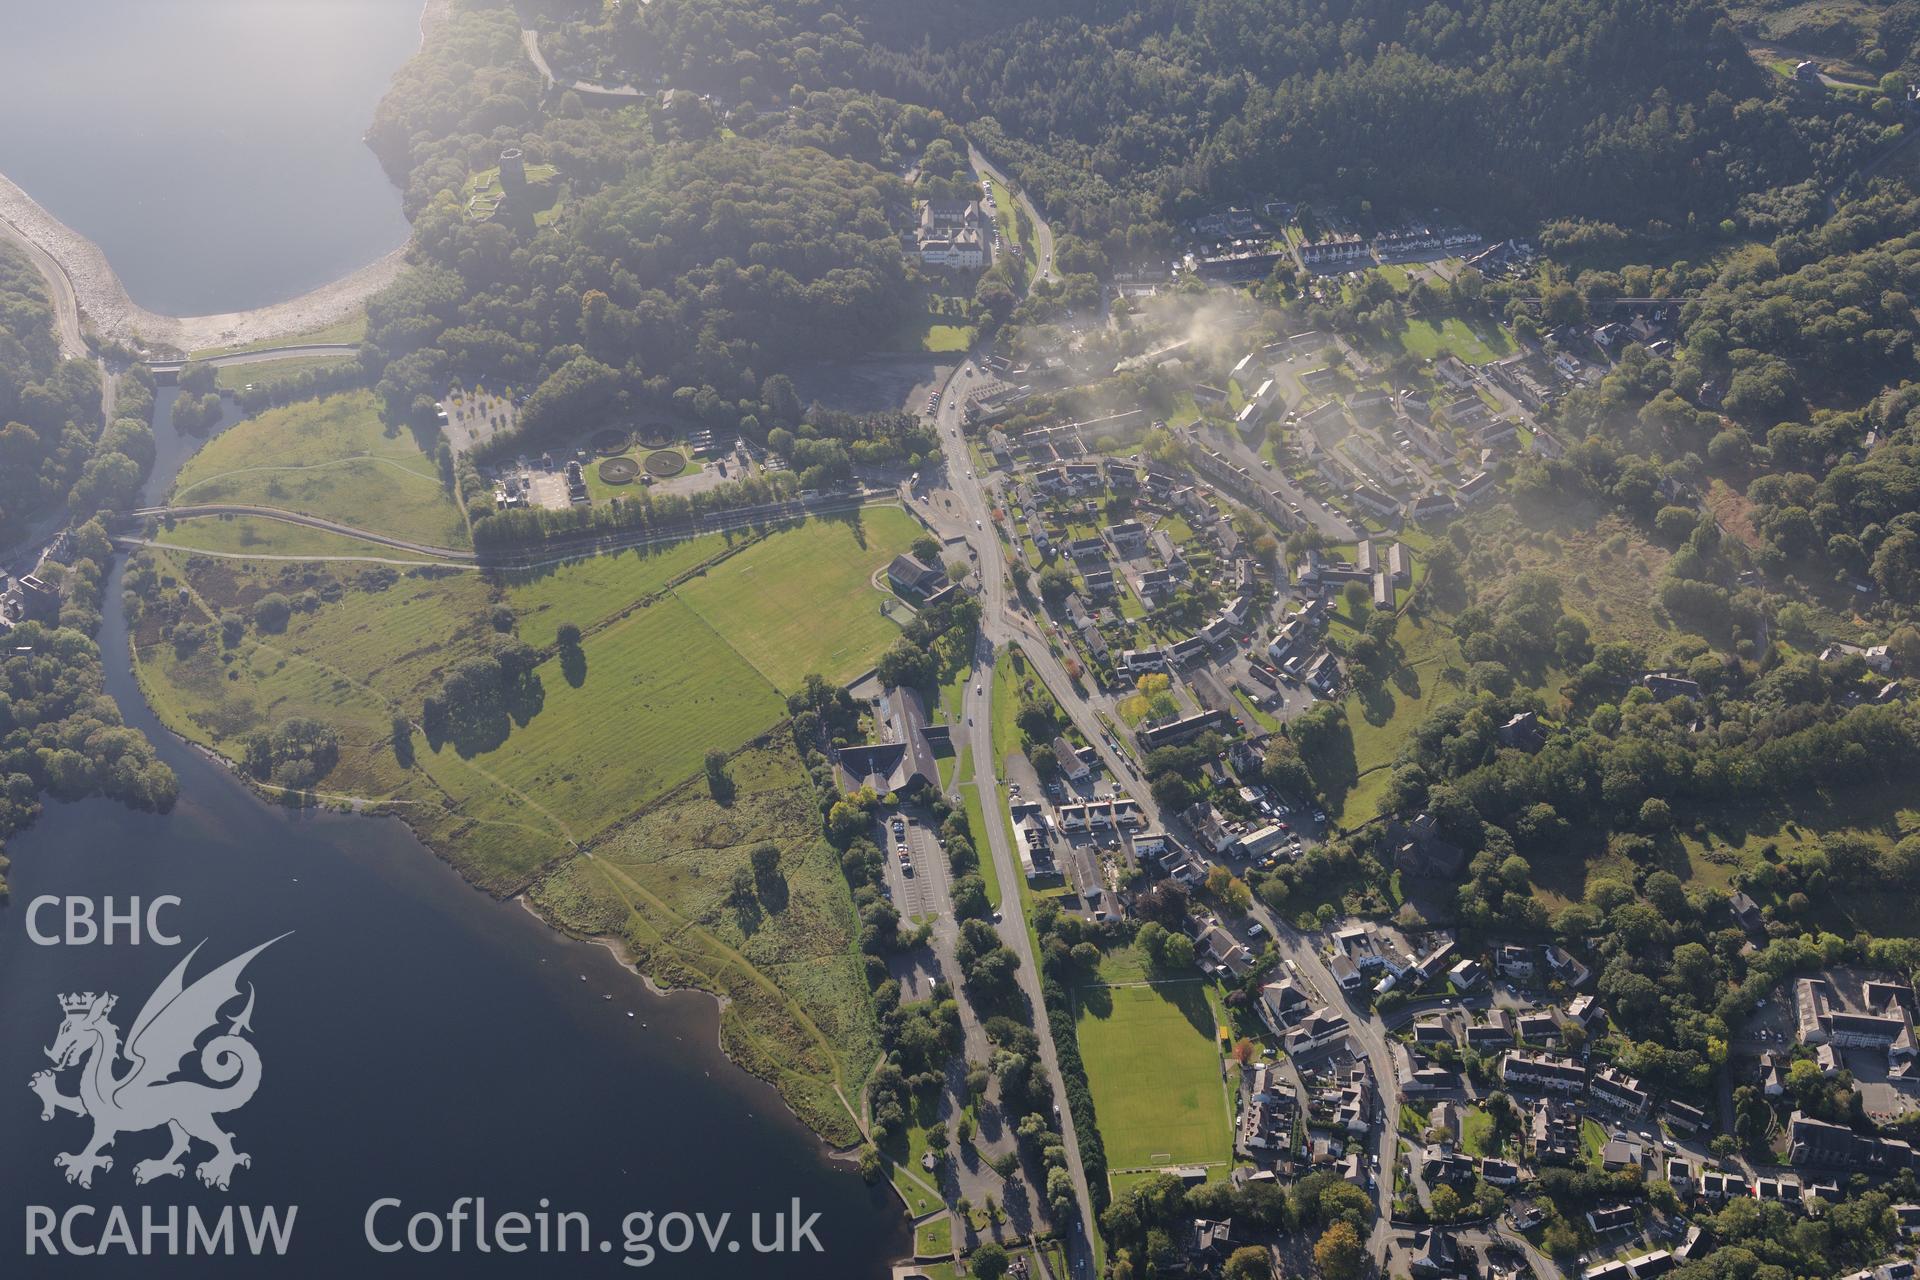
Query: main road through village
966, 510
971, 516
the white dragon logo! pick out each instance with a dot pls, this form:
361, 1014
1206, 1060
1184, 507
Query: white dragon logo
147, 1096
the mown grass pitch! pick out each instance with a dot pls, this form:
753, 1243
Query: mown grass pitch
1154, 1067
1425, 339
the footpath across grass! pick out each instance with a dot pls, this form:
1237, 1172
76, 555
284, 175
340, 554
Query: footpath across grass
332, 458
264, 537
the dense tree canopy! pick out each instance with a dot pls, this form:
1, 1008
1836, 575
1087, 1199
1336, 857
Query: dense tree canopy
49, 407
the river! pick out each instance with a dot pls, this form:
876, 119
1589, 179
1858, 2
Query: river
211, 148
419, 1040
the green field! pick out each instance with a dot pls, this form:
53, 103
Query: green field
1004, 205
658, 686
602, 748
1593, 1140
977, 824
933, 1239
1474, 345
585, 591
260, 536
803, 602
1154, 1066
1010, 671
331, 458
233, 377
1006, 216
941, 338
796, 1007
1476, 1133
659, 690
1381, 719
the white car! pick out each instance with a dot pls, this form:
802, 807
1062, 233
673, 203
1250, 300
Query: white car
1255, 929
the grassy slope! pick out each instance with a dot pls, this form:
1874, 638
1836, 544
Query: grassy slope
233, 377
1611, 588
977, 824
258, 536
1718, 841
1382, 719
351, 329
1605, 569
660, 686
331, 458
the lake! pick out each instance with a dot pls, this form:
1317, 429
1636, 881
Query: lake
210, 147
418, 1039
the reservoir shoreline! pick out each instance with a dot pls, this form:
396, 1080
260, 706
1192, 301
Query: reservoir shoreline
427, 1039
90, 297
176, 449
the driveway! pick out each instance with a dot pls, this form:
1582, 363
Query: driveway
1042, 233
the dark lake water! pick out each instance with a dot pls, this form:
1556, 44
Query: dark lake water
210, 147
419, 1040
